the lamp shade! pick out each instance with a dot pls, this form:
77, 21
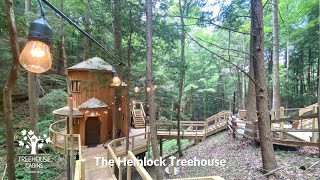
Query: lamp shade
36, 56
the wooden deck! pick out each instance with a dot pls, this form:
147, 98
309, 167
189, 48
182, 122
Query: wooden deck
139, 142
302, 129
93, 172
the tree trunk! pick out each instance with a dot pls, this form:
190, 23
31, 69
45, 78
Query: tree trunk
32, 96
152, 113
275, 79
243, 95
287, 73
7, 90
251, 113
128, 77
117, 36
182, 74
87, 28
70, 161
309, 76
257, 46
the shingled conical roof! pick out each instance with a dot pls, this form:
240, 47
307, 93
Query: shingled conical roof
93, 103
65, 111
94, 63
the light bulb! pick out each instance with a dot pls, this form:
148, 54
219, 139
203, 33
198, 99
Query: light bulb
154, 86
36, 57
148, 89
116, 81
136, 89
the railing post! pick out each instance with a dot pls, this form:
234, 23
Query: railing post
172, 166
314, 125
128, 170
272, 123
281, 123
66, 145
132, 144
120, 173
148, 140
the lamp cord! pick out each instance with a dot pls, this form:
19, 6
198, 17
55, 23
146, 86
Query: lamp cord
41, 9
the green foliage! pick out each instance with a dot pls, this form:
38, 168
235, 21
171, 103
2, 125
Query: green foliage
55, 99
170, 146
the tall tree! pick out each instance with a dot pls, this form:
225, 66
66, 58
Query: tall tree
117, 37
151, 98
87, 28
257, 49
32, 96
275, 71
8, 87
182, 71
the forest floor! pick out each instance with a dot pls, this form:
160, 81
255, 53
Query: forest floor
243, 161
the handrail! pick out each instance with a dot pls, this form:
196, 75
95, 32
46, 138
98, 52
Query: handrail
113, 154
53, 134
112, 151
220, 119
141, 170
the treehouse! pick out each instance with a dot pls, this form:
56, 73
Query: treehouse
96, 103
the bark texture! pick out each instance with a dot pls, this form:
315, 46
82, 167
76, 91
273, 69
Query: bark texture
151, 99
275, 71
7, 90
117, 37
87, 28
182, 73
257, 46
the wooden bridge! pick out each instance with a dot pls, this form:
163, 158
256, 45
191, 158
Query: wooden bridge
139, 142
296, 126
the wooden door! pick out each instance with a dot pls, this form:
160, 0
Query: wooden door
92, 131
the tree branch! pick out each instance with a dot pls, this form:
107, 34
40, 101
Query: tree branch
226, 60
223, 47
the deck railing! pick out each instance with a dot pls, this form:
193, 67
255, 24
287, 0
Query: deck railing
198, 129
138, 144
288, 128
301, 120
60, 141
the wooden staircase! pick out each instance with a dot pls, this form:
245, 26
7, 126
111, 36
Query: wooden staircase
138, 119
138, 115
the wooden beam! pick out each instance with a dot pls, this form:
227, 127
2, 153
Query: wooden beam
295, 130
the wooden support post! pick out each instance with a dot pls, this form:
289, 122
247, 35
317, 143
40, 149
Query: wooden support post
132, 144
314, 125
172, 166
281, 123
128, 171
120, 173
160, 147
272, 124
148, 140
196, 132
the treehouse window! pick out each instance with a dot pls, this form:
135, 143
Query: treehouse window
75, 86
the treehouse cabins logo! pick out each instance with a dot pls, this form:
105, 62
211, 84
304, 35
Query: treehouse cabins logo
33, 160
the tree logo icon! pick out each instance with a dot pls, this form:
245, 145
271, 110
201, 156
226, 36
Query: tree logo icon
30, 140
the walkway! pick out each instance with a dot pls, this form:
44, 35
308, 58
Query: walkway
139, 142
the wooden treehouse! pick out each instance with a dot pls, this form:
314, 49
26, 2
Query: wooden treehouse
97, 105
97, 102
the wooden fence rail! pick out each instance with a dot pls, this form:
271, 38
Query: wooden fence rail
60, 142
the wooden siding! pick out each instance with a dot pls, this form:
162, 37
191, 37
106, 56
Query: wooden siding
97, 84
